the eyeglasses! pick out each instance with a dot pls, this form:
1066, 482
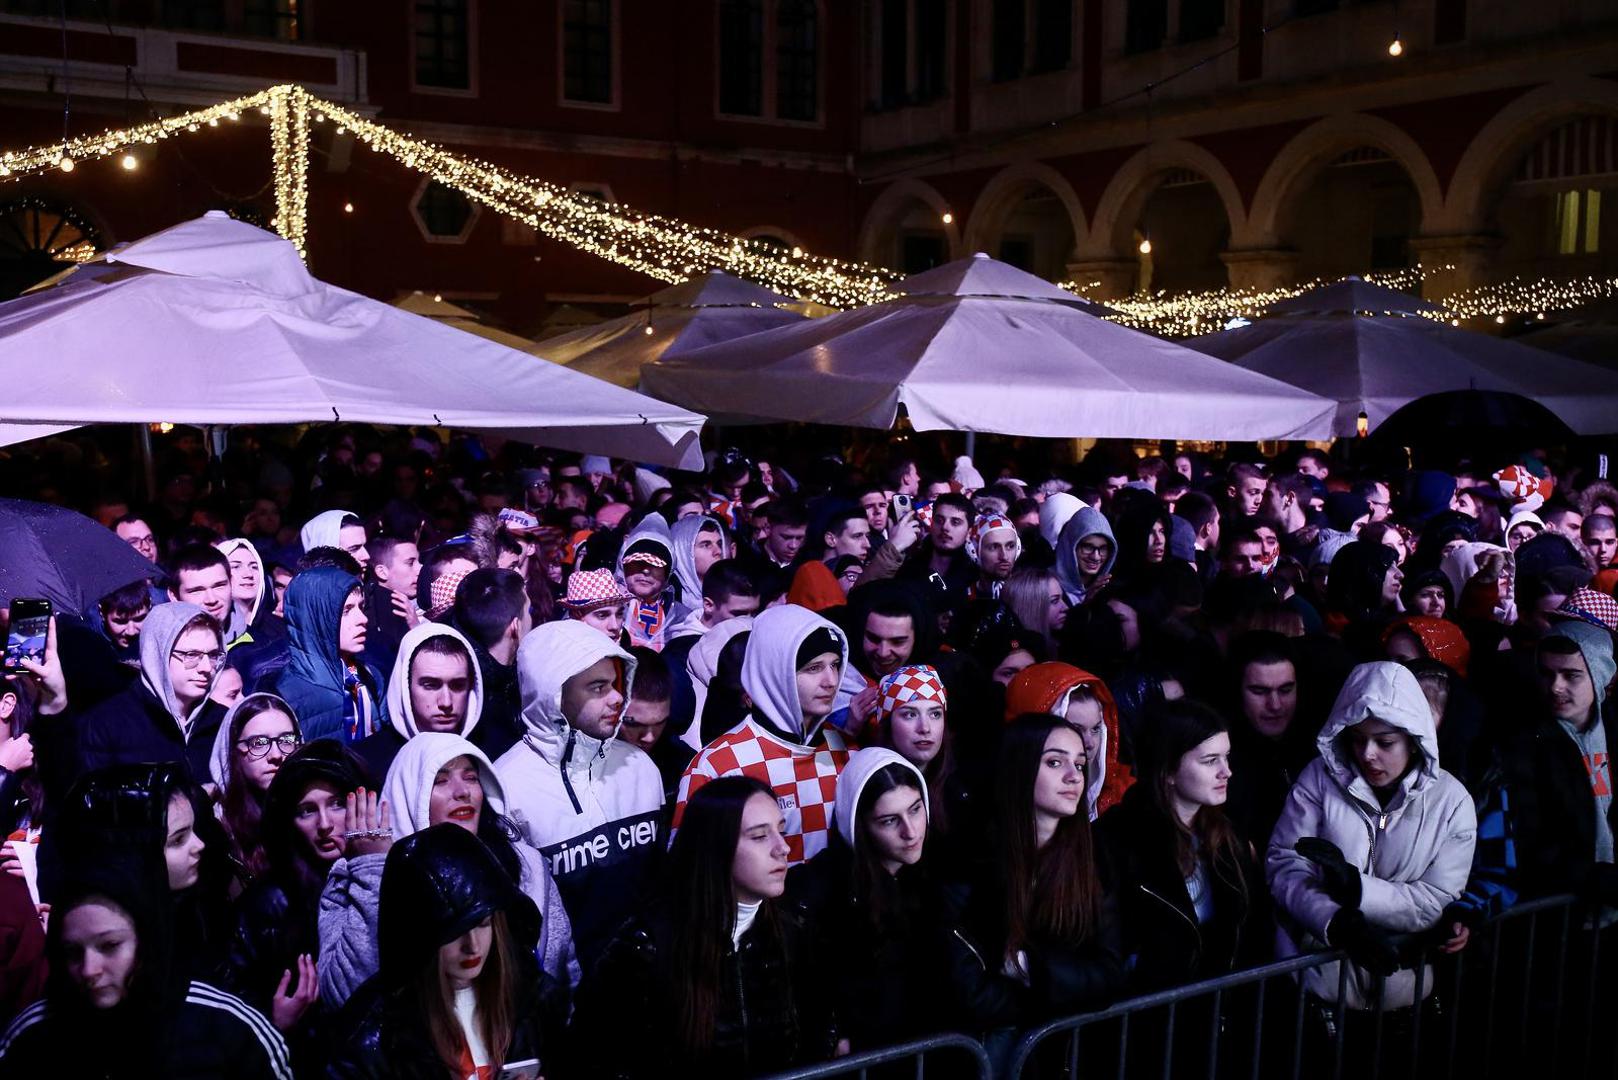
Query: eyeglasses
193, 658
259, 745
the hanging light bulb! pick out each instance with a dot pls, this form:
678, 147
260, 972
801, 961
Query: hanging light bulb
129, 162
648, 330
948, 218
65, 163
1396, 47
1146, 245
348, 208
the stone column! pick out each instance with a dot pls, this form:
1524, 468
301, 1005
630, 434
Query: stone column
1260, 268
1105, 279
1453, 264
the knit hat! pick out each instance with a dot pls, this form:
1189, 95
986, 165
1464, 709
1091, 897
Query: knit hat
1440, 639
1327, 548
966, 475
982, 527
912, 682
1344, 508
1523, 488
594, 463
1182, 539
1588, 605
442, 594
1525, 517
821, 640
591, 589
1596, 645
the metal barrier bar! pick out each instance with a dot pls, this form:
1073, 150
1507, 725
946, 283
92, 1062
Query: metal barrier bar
957, 1046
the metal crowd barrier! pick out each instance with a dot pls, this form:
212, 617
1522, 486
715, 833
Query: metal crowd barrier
1495, 1009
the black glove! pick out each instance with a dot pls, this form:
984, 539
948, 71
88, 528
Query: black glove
1366, 946
1340, 880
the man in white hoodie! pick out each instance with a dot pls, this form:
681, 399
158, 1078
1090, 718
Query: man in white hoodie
792, 672
588, 801
339, 529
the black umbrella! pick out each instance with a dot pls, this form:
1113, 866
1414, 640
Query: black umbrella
1473, 417
63, 556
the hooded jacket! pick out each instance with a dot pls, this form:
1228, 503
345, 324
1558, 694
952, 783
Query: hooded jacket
771, 744
145, 722
1054, 514
591, 807
1047, 688
682, 540
1414, 855
312, 681
440, 883
349, 903
322, 529
378, 750
1087, 521
240, 626
1460, 565
653, 530
702, 664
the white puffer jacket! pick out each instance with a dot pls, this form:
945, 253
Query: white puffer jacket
1414, 856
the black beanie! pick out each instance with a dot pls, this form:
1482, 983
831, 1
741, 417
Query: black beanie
822, 639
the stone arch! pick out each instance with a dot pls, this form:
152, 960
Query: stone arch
1132, 185
999, 198
889, 209
1313, 148
1495, 150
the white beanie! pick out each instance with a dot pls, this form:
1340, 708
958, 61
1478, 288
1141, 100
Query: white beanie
966, 475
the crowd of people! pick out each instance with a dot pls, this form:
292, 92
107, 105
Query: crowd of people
428, 757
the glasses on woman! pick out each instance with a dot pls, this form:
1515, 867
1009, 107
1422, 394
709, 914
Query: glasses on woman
259, 745
192, 658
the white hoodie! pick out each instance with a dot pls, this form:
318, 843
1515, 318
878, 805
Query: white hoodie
401, 712
323, 529
803, 776
592, 807
1414, 855
702, 663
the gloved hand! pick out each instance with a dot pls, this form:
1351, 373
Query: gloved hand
1340, 880
1366, 946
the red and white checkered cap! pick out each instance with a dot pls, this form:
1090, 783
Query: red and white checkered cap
442, 594
909, 683
982, 527
646, 557
1596, 608
589, 589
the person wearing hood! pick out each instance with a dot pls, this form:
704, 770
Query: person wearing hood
116, 1004
728, 592
644, 566
330, 687
1054, 514
457, 991
434, 687
437, 778
1086, 552
719, 977
1481, 577
492, 612
1523, 525
871, 902
588, 801
1190, 890
167, 715
696, 542
255, 739
1376, 839
715, 667
252, 597
338, 529
1083, 701
792, 672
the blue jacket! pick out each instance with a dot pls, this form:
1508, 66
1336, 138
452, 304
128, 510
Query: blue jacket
312, 681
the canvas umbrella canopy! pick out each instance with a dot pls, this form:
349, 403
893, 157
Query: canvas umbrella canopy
216, 322
1374, 364
978, 345
434, 306
702, 310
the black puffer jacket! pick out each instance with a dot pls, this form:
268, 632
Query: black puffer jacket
1160, 928
772, 1015
437, 884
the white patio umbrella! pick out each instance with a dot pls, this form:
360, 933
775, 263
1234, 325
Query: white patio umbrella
978, 345
434, 306
1374, 363
217, 322
703, 310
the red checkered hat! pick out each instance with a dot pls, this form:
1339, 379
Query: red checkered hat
646, 557
982, 527
591, 589
442, 594
910, 683
1595, 608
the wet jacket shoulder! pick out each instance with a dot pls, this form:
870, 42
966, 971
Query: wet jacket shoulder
134, 726
1165, 943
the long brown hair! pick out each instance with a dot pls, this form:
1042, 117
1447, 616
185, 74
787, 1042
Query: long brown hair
1178, 728
1052, 892
496, 989
242, 806
701, 902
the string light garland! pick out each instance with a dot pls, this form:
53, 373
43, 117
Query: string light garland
671, 250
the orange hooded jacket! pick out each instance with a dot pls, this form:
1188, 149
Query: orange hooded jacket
1045, 688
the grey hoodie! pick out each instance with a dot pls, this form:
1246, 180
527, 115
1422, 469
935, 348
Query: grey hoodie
654, 528
688, 583
1086, 521
1414, 855
157, 637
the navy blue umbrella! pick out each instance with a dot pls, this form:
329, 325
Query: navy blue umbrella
63, 556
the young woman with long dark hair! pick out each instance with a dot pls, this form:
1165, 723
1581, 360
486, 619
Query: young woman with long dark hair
716, 978
870, 903
912, 710
1187, 885
457, 992
256, 737
1034, 935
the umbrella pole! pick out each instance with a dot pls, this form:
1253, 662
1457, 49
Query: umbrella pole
143, 441
972, 445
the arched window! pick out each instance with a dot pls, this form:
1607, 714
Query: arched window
40, 237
